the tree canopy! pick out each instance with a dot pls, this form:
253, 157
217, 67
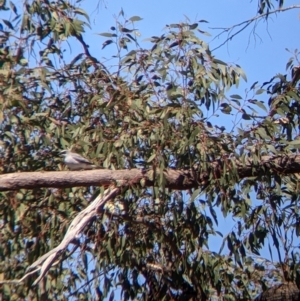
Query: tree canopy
140, 228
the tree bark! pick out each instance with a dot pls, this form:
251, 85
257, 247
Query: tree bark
175, 179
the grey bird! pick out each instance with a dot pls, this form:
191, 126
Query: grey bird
75, 161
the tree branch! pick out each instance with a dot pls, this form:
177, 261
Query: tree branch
83, 218
246, 23
175, 179
182, 179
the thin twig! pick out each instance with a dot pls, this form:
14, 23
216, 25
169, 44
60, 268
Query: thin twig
247, 23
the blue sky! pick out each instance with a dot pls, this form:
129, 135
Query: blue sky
260, 49
261, 55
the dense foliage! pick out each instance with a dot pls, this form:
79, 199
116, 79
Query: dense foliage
152, 108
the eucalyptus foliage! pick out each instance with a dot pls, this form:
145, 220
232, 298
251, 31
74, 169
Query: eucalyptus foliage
164, 106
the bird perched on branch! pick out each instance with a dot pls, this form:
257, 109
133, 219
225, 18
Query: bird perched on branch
75, 161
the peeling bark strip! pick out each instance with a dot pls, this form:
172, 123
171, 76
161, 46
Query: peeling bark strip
83, 218
175, 179
182, 179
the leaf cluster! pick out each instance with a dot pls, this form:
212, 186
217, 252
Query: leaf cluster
157, 107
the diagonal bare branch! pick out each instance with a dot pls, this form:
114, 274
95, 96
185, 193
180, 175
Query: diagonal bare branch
83, 218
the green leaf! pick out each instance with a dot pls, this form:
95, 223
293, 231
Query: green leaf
260, 104
193, 26
260, 91
187, 279
236, 96
241, 73
152, 157
118, 143
245, 116
123, 29
236, 101
213, 214
8, 24
219, 62
135, 19
107, 34
253, 85
106, 43
194, 195
13, 7
82, 12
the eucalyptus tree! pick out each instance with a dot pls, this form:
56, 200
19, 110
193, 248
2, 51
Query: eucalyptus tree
149, 121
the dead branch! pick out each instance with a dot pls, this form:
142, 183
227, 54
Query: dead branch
182, 179
83, 218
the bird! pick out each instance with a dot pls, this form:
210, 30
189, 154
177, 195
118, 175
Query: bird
75, 161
